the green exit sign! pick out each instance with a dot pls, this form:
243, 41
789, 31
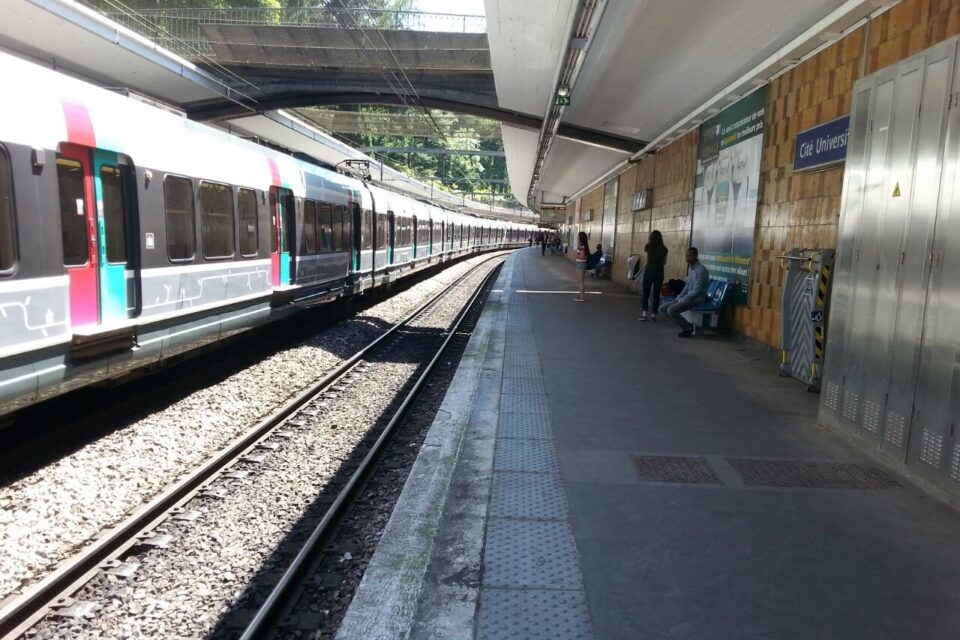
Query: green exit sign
563, 101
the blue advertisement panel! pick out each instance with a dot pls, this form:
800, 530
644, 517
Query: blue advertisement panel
822, 145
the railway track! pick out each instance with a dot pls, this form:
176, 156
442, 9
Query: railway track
143, 529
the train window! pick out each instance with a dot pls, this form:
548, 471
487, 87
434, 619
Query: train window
423, 232
366, 230
337, 243
216, 210
247, 208
8, 245
111, 181
346, 238
325, 211
309, 241
178, 201
383, 231
73, 208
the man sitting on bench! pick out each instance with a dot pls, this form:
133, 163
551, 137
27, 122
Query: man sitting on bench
694, 293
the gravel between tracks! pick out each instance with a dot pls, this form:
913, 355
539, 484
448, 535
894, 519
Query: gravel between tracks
49, 515
184, 591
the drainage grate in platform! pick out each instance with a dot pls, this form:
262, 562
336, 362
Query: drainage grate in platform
690, 470
817, 475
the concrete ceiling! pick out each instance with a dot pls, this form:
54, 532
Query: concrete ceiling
649, 64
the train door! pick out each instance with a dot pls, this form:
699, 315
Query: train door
391, 236
356, 235
282, 221
78, 228
97, 218
381, 238
116, 226
416, 238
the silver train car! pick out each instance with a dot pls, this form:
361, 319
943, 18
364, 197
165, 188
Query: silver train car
130, 235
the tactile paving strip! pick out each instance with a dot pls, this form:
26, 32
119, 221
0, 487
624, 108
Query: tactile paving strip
528, 495
533, 615
530, 554
535, 456
820, 475
535, 426
524, 370
689, 470
522, 386
532, 403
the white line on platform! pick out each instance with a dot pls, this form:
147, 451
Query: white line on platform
592, 293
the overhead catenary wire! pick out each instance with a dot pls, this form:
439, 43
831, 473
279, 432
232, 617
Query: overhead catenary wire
406, 86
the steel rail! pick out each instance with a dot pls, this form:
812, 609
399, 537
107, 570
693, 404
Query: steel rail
263, 622
25, 610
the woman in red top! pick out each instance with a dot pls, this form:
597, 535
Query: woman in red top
583, 251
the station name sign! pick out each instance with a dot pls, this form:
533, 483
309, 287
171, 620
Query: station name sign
822, 146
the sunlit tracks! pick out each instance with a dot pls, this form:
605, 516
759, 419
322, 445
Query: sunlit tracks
288, 441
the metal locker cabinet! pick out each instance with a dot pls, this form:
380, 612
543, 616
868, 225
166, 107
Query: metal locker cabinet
896, 188
841, 306
932, 441
914, 256
863, 278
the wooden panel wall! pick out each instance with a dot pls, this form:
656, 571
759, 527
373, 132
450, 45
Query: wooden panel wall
673, 201
796, 209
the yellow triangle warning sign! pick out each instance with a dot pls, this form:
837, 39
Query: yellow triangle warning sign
896, 191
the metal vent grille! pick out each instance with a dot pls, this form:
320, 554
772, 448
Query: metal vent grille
931, 447
850, 401
693, 470
895, 429
871, 416
832, 400
818, 475
955, 465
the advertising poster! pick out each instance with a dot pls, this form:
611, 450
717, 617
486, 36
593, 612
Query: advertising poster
726, 190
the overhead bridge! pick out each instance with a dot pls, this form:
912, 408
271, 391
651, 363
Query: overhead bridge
283, 67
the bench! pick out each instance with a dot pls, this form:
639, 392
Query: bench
707, 315
717, 293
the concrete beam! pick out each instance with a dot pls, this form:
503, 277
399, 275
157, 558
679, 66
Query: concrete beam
210, 110
326, 48
436, 151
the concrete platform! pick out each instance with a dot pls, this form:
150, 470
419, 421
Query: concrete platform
590, 476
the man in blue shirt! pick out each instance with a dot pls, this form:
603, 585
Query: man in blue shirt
694, 293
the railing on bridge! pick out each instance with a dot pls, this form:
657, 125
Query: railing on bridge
180, 30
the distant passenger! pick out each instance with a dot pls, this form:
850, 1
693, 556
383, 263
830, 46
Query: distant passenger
543, 244
653, 274
583, 252
694, 293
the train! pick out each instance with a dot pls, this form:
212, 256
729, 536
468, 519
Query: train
130, 235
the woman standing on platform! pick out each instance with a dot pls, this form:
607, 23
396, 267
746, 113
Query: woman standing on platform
583, 251
653, 273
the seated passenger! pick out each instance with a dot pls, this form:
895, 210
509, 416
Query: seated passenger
594, 261
694, 293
